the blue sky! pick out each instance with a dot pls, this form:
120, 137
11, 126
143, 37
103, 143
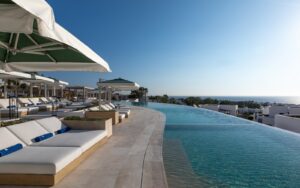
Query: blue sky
190, 47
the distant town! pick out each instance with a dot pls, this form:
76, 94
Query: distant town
284, 116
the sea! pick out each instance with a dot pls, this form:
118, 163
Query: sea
259, 99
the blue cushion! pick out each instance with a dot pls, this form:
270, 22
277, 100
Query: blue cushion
43, 137
10, 149
63, 130
38, 103
11, 106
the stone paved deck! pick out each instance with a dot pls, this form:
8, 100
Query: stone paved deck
132, 157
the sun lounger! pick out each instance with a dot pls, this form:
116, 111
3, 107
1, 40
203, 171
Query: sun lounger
120, 110
44, 100
122, 115
103, 107
48, 161
5, 108
24, 102
66, 101
71, 138
56, 101
118, 106
79, 113
90, 101
42, 107
29, 164
76, 105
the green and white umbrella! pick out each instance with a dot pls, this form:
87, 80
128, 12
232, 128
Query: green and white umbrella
119, 84
31, 40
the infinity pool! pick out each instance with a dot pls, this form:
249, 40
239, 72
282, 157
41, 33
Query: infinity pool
208, 149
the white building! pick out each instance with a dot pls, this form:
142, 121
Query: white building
278, 109
243, 110
228, 109
294, 110
214, 107
270, 113
267, 120
287, 123
265, 110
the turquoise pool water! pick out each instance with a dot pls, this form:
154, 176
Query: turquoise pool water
225, 151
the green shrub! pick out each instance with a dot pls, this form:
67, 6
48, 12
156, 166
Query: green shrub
77, 118
8, 123
73, 118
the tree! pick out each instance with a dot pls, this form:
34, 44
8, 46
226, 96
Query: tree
164, 99
141, 94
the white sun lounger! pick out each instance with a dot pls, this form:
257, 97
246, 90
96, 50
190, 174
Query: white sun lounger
120, 110
48, 161
37, 102
44, 100
56, 101
122, 116
5, 108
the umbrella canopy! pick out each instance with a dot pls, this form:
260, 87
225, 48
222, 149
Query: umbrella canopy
13, 75
119, 84
31, 40
39, 79
62, 83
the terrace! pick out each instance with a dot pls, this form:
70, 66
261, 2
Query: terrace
132, 157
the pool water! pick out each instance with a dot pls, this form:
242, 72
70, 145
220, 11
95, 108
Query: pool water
225, 151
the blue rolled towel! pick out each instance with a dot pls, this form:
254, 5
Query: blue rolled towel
10, 149
43, 137
63, 130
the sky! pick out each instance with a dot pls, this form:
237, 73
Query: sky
190, 47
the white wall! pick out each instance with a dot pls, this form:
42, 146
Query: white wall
287, 123
254, 110
214, 107
268, 120
243, 110
294, 111
232, 109
265, 110
278, 110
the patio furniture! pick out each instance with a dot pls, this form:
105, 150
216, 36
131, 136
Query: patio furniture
42, 152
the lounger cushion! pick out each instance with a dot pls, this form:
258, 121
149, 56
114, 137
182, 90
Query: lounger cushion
8, 139
27, 131
51, 124
6, 110
43, 137
103, 107
112, 105
74, 138
79, 113
37, 102
109, 107
32, 108
63, 130
44, 100
4, 103
38, 160
10, 149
